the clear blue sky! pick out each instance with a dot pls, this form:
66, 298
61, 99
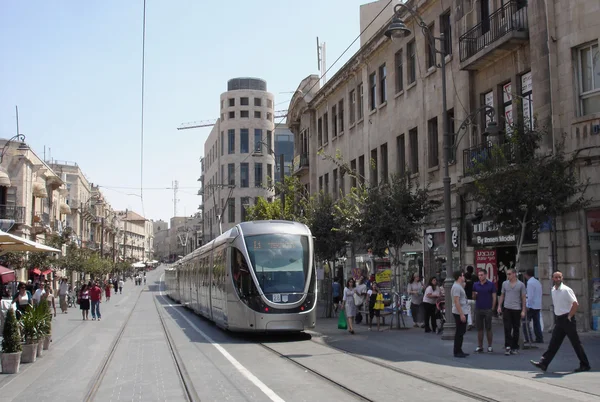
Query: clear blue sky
74, 69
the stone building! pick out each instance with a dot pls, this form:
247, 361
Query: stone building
105, 227
535, 62
134, 237
238, 164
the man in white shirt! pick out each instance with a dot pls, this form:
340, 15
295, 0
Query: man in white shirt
63, 291
37, 296
565, 307
534, 306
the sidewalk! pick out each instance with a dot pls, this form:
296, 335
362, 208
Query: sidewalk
409, 348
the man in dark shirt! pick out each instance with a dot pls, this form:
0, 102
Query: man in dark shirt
96, 296
485, 295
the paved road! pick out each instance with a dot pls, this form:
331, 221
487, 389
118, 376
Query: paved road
218, 365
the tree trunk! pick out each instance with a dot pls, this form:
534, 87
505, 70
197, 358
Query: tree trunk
520, 241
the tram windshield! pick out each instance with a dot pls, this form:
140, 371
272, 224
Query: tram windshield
280, 261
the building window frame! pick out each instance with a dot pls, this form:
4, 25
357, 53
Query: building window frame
399, 61
258, 174
411, 62
352, 106
245, 175
433, 143
360, 102
341, 116
382, 84
373, 91
446, 30
244, 101
231, 141
244, 141
592, 89
231, 174
413, 143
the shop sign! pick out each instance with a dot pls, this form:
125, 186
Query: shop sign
593, 229
487, 259
436, 237
488, 233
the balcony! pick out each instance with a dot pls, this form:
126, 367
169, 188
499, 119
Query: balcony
487, 156
13, 213
493, 38
301, 163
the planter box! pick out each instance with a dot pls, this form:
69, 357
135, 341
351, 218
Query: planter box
29, 354
11, 363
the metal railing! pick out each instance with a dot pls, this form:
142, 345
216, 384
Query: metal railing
303, 162
485, 156
12, 212
510, 17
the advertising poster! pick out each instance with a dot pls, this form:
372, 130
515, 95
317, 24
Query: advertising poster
383, 275
487, 259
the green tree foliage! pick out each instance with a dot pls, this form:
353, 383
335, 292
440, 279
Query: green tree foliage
296, 203
11, 337
520, 187
264, 210
325, 226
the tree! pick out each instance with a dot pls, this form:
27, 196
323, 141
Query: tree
264, 210
296, 203
520, 187
324, 225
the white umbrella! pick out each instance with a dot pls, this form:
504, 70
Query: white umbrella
10, 242
138, 265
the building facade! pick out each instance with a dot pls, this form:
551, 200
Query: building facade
536, 63
239, 161
133, 239
284, 144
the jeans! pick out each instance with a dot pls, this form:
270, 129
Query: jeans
461, 328
430, 317
96, 309
512, 322
534, 314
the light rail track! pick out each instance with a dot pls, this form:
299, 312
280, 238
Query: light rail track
185, 381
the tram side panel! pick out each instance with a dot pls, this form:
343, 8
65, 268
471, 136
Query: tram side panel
218, 292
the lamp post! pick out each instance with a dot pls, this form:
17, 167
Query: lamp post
398, 29
281, 173
23, 147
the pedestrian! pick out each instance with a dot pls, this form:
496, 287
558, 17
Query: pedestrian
534, 306
469, 281
335, 293
84, 301
565, 306
485, 295
23, 300
121, 283
415, 290
96, 297
360, 294
107, 291
348, 304
63, 291
459, 305
432, 293
375, 304
49, 298
37, 296
513, 299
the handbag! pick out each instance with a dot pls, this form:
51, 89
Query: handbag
342, 324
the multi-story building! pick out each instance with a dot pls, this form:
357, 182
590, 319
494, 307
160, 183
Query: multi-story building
105, 227
133, 239
162, 244
238, 162
284, 144
383, 112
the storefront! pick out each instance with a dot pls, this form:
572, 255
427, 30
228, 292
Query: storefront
434, 255
593, 233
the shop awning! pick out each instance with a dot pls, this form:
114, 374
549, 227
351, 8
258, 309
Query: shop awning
36, 271
6, 274
47, 271
10, 242
65, 208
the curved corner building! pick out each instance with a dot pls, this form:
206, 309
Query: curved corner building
238, 164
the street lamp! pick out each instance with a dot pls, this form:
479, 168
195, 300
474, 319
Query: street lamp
23, 147
281, 172
398, 29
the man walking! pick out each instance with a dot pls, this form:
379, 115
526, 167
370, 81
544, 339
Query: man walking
63, 291
485, 295
95, 296
513, 299
459, 306
534, 306
565, 307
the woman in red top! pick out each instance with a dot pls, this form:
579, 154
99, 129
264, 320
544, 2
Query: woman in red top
107, 290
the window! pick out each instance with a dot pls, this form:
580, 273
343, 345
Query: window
231, 102
244, 113
222, 174
269, 142
257, 102
244, 141
446, 30
372, 91
433, 142
452, 156
430, 50
244, 101
257, 115
341, 116
506, 105
334, 122
383, 151
359, 102
361, 169
269, 103
244, 175
335, 184
222, 143
401, 148
413, 138
326, 183
269, 116
527, 97
399, 71
269, 174
325, 128
382, 84
411, 62
352, 106
231, 141
320, 183
320, 132
231, 174
231, 209
232, 115
245, 206
354, 172
258, 175
258, 140
374, 179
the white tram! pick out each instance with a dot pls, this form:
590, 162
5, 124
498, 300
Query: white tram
258, 276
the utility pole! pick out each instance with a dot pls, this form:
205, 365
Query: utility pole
175, 189
102, 238
125, 236
282, 181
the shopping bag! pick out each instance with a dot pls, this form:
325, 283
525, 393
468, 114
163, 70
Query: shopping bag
342, 324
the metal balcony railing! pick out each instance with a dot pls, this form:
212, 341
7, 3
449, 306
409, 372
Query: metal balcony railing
510, 17
487, 156
303, 162
12, 212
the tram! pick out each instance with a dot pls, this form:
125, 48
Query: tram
258, 276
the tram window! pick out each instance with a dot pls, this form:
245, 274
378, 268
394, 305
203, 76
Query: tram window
242, 279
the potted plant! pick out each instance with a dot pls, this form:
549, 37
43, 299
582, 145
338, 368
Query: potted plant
29, 327
45, 326
11, 344
40, 315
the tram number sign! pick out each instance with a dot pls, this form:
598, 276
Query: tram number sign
276, 298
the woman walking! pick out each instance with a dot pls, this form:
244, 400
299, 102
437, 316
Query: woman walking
349, 305
415, 290
84, 302
23, 299
107, 291
432, 293
375, 305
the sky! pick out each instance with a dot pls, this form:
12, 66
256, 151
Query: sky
74, 70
